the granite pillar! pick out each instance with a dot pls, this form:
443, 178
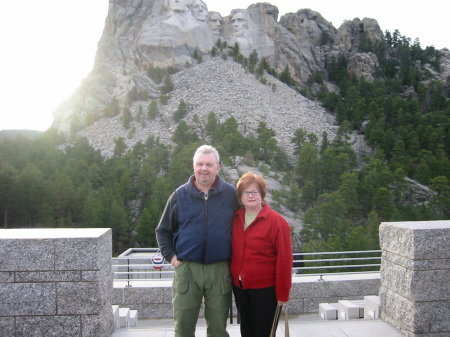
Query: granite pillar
56, 282
415, 277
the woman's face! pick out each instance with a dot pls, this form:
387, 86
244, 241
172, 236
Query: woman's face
249, 200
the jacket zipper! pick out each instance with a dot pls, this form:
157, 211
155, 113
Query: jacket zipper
205, 232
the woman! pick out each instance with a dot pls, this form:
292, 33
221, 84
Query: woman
261, 261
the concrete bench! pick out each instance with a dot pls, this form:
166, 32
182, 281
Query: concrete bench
360, 305
372, 307
328, 311
115, 309
347, 310
133, 318
124, 317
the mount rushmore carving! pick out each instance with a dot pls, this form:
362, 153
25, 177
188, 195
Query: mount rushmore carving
140, 33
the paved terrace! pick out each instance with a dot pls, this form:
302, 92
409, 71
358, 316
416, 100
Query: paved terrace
299, 325
58, 282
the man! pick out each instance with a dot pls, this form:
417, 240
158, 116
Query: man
199, 10
194, 233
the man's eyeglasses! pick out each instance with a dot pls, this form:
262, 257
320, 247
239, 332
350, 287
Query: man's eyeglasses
247, 193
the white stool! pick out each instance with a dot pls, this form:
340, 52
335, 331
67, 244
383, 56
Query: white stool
348, 310
116, 316
124, 317
372, 307
133, 318
360, 305
328, 311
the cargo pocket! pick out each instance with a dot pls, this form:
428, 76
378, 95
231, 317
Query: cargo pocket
182, 276
227, 284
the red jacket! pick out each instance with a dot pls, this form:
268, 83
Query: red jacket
262, 254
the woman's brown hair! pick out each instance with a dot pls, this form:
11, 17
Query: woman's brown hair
246, 180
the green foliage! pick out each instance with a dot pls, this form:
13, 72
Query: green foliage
183, 135
197, 56
340, 200
285, 76
167, 86
164, 99
157, 74
152, 110
120, 147
126, 118
181, 111
325, 38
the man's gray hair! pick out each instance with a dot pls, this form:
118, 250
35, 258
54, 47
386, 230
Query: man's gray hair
206, 149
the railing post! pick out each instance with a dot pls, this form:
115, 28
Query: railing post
128, 275
321, 269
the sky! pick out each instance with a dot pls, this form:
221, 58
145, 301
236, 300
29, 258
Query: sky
49, 46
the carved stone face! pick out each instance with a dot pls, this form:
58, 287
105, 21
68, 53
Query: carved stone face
215, 21
199, 10
178, 5
239, 22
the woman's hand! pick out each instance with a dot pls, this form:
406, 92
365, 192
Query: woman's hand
280, 304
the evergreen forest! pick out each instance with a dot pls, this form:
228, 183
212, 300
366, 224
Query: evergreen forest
51, 181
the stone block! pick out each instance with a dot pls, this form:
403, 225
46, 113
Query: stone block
56, 282
351, 288
415, 271
296, 305
79, 298
100, 325
134, 318
6, 277
415, 284
25, 254
7, 326
20, 299
144, 295
360, 305
416, 240
124, 317
115, 309
48, 276
118, 295
87, 252
347, 310
328, 311
163, 310
48, 326
371, 307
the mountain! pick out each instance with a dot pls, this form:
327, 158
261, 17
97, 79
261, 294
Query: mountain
141, 34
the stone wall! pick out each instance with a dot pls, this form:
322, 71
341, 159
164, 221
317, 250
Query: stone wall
55, 282
415, 277
153, 299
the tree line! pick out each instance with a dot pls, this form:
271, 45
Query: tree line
340, 199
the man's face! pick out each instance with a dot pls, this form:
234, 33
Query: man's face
239, 24
178, 5
205, 169
215, 22
199, 10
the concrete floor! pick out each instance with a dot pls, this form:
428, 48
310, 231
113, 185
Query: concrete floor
301, 325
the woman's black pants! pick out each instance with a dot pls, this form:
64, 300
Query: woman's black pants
256, 308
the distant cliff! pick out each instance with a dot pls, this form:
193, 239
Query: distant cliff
139, 34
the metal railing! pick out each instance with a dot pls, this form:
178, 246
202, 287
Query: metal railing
130, 269
336, 263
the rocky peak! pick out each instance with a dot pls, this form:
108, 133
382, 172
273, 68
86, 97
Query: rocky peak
225, 88
163, 33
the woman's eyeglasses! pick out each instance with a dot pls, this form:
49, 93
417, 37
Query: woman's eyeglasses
247, 193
